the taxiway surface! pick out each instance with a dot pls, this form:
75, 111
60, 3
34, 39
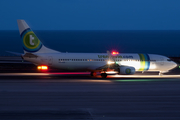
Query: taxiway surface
83, 97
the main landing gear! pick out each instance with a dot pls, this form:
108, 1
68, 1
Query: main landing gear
103, 75
94, 74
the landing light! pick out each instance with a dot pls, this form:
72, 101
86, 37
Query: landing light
110, 62
111, 72
43, 67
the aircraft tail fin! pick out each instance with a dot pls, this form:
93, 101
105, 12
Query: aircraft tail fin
31, 43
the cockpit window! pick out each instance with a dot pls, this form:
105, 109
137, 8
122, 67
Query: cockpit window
169, 60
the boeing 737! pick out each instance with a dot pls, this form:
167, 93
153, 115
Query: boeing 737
120, 63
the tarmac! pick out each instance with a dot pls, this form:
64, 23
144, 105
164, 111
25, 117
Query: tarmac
53, 96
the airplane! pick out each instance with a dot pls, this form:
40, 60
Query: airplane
104, 63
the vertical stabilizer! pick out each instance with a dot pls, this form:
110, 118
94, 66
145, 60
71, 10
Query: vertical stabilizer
31, 43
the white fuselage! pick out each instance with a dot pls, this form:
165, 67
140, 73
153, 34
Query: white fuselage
93, 61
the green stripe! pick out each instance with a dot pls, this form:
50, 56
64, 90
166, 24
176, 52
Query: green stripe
141, 63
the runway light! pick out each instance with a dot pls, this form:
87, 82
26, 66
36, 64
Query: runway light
43, 67
140, 80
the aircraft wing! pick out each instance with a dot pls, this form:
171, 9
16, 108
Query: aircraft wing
107, 66
111, 64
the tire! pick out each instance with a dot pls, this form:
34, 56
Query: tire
103, 75
92, 73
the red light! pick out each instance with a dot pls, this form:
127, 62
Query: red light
42, 67
115, 53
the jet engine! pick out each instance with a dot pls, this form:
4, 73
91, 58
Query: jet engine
126, 70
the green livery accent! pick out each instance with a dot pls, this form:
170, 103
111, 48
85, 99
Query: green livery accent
144, 62
26, 40
30, 42
128, 71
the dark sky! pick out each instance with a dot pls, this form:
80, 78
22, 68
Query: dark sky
91, 14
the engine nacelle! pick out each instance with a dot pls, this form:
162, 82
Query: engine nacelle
126, 70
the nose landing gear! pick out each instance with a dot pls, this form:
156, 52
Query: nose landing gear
160, 73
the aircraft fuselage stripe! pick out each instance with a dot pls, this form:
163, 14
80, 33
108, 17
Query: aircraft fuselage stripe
144, 62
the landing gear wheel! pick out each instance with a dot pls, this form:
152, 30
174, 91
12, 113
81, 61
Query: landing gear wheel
103, 75
160, 74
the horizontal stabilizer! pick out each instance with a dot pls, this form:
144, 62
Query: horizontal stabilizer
30, 55
15, 53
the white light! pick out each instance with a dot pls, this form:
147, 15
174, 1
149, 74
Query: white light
111, 72
110, 62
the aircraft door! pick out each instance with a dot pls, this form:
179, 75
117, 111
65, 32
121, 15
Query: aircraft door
50, 60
